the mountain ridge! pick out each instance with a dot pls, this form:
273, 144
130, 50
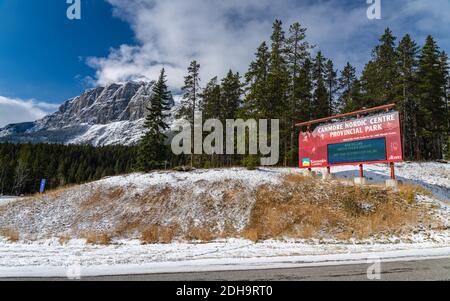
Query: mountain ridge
100, 116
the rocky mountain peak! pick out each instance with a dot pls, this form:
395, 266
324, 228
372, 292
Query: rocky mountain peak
113, 107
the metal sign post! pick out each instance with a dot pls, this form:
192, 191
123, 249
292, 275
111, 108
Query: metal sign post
393, 177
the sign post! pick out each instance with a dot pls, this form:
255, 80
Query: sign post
42, 187
359, 141
392, 164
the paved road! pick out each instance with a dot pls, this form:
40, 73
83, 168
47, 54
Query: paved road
430, 270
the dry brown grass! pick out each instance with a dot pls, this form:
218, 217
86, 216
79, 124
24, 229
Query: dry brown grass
296, 178
409, 192
155, 196
228, 231
101, 197
10, 234
159, 234
126, 227
203, 234
250, 234
94, 238
54, 193
306, 208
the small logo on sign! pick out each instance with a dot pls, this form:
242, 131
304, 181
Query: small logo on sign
306, 162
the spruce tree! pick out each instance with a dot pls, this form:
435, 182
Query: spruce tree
320, 106
296, 53
407, 53
231, 92
255, 102
432, 101
380, 76
212, 106
445, 71
303, 108
191, 97
347, 83
153, 150
278, 86
331, 83
278, 76
303, 92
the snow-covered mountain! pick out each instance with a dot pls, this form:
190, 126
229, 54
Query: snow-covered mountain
101, 116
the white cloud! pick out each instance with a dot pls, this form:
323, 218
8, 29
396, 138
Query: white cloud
225, 34
18, 110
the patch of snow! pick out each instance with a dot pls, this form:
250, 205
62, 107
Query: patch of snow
178, 179
115, 133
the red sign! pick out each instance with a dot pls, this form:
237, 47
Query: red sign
368, 140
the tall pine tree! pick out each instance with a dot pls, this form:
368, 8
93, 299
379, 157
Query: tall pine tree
191, 97
255, 102
231, 95
153, 149
407, 53
212, 106
331, 83
296, 53
380, 76
278, 76
348, 86
432, 101
320, 106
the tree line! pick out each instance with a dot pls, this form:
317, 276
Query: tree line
22, 166
290, 80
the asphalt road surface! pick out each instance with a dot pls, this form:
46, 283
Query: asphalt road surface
429, 270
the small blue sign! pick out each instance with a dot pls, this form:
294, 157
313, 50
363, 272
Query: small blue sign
42, 189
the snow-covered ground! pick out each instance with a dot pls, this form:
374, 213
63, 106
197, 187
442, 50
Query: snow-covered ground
51, 259
48, 257
7, 199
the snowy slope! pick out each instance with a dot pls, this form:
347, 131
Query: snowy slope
194, 199
54, 215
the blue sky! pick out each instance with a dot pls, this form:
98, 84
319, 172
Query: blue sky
46, 58
41, 50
